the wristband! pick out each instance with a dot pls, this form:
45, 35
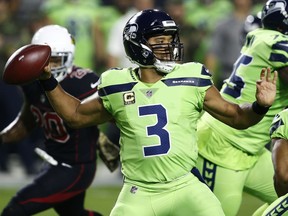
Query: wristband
49, 84
260, 110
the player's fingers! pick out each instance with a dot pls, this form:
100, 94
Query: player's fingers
268, 74
47, 68
275, 77
46, 73
262, 74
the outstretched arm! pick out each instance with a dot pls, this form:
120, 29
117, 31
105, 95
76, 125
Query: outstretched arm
74, 112
246, 115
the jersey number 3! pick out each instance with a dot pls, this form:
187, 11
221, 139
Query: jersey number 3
158, 129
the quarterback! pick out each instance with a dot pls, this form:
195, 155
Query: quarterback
156, 107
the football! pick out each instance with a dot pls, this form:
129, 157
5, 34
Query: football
26, 64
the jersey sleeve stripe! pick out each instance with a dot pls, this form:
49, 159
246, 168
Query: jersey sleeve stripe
281, 45
275, 125
276, 57
116, 89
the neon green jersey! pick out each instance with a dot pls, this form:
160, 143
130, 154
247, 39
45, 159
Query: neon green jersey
157, 121
238, 149
279, 127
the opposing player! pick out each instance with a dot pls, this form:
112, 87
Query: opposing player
233, 161
70, 153
156, 106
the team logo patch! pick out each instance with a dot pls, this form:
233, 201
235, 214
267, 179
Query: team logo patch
129, 98
133, 189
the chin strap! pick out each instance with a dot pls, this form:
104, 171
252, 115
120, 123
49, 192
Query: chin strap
164, 67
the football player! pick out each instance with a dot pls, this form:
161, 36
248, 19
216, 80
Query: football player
70, 153
233, 161
279, 136
156, 107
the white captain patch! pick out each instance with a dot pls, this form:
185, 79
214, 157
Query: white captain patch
129, 98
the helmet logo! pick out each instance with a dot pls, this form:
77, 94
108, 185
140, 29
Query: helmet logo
282, 6
130, 31
275, 16
275, 6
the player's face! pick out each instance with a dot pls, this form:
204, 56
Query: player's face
55, 61
161, 46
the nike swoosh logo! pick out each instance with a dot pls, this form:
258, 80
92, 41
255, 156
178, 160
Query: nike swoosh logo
94, 85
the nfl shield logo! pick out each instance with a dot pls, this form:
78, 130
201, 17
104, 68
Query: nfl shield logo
133, 189
149, 93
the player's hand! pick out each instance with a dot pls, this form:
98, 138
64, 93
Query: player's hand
46, 73
108, 152
266, 87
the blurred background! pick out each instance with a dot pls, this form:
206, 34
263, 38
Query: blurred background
209, 29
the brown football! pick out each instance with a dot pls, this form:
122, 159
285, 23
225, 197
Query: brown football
26, 64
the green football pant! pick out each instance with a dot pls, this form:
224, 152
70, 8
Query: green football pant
228, 185
185, 196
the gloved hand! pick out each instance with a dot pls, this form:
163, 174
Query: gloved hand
108, 152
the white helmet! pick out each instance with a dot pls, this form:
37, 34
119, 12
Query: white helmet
62, 45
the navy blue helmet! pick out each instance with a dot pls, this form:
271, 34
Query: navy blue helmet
274, 15
146, 24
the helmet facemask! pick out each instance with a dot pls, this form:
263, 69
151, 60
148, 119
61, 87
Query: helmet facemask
61, 70
168, 51
167, 54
